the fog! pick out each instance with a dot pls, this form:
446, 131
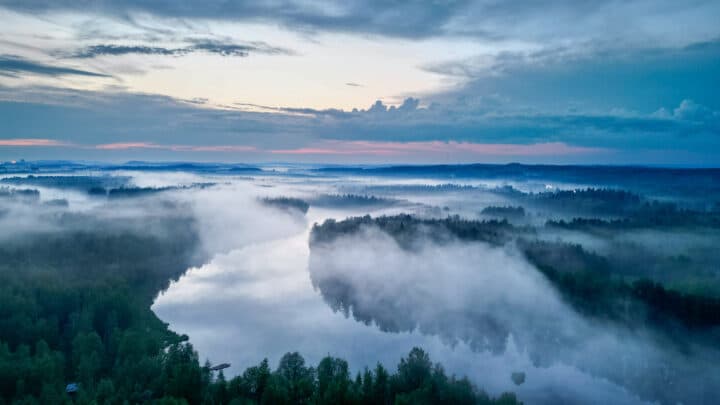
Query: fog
260, 290
258, 301
487, 297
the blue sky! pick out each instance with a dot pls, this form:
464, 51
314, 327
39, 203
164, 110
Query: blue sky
617, 82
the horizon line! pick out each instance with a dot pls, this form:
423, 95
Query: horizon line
356, 165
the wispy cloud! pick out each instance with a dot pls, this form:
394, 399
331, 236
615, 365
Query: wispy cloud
29, 142
533, 22
226, 48
115, 50
213, 148
127, 145
338, 147
176, 148
11, 65
215, 47
437, 147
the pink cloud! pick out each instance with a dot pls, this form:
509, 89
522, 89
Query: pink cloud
337, 147
128, 145
437, 147
30, 142
313, 151
216, 148
177, 148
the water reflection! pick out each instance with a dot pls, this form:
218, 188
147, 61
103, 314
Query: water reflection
258, 301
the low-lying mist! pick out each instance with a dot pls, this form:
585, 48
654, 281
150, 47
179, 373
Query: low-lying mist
490, 277
488, 297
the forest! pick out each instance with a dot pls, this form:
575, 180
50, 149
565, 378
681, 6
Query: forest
286, 203
76, 324
352, 201
80, 269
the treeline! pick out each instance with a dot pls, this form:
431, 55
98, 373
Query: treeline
110, 186
418, 188
407, 230
598, 201
648, 215
508, 212
416, 381
352, 200
22, 195
286, 203
587, 281
130, 192
625, 209
69, 182
25, 196
328, 200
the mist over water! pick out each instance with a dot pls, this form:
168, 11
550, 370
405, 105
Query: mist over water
258, 301
261, 287
258, 297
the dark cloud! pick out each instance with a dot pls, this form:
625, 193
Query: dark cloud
233, 49
406, 19
301, 111
94, 118
11, 65
212, 47
115, 50
595, 78
351, 84
108, 117
488, 19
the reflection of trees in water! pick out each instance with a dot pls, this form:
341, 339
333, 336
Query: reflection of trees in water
658, 350
479, 328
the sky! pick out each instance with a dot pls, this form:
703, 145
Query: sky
561, 82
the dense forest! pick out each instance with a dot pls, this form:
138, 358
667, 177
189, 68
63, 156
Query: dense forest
110, 186
80, 183
286, 203
352, 201
508, 212
76, 325
76, 289
409, 230
16, 194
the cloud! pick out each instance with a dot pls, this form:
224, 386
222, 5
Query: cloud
176, 148
459, 129
11, 65
208, 46
233, 49
348, 148
652, 22
692, 111
570, 73
405, 20
587, 76
127, 145
116, 50
26, 142
396, 149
